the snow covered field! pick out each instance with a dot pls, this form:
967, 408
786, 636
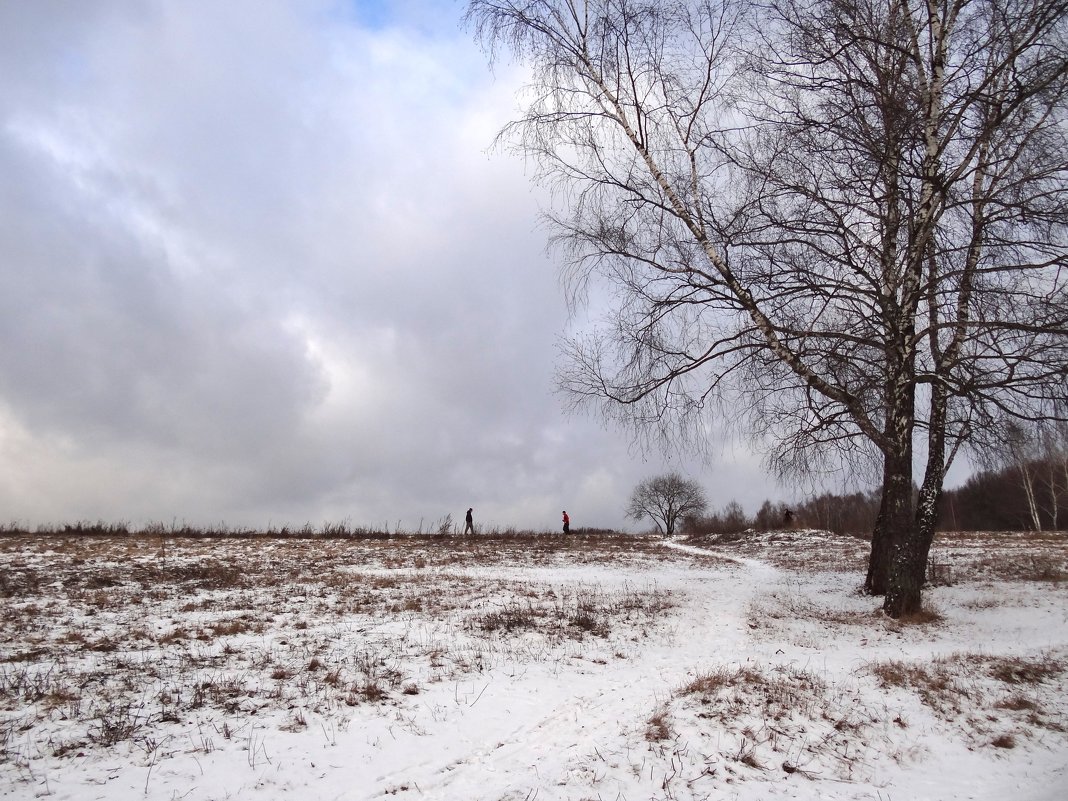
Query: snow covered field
514, 668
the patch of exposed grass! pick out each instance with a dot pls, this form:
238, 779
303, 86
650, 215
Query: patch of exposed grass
575, 613
926, 616
658, 726
937, 684
1020, 670
958, 686
513, 616
1018, 703
232, 627
116, 722
757, 716
1045, 568
775, 694
1040, 556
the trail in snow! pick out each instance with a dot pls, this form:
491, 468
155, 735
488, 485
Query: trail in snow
585, 725
760, 568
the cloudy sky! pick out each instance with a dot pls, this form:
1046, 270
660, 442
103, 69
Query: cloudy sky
259, 264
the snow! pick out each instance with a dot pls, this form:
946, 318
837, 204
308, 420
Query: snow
697, 672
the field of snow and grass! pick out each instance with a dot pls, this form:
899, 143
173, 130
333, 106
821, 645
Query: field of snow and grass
514, 668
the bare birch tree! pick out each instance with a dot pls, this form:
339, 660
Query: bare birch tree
1038, 455
913, 173
847, 215
1022, 454
1056, 456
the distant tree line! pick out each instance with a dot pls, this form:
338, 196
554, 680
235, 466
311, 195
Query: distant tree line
1026, 496
842, 514
1032, 496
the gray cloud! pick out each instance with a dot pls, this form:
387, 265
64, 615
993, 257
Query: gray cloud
258, 266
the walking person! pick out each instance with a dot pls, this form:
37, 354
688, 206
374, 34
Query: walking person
567, 524
469, 527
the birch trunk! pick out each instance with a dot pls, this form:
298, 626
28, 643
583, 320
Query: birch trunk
879, 560
1029, 492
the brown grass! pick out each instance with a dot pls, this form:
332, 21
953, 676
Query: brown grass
1020, 670
956, 686
1040, 556
927, 616
775, 694
235, 639
658, 726
1018, 703
111, 676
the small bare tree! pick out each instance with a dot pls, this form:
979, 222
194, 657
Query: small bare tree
666, 500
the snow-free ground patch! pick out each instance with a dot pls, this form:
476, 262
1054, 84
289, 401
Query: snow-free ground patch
511, 668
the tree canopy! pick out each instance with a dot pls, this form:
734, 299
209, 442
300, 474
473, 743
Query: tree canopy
666, 500
844, 220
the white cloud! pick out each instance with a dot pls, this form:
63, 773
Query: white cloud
260, 267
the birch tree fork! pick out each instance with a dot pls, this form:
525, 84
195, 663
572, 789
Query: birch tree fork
848, 215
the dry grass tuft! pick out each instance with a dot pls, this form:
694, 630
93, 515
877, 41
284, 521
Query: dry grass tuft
776, 695
1018, 670
707, 683
927, 616
1018, 703
658, 726
894, 673
775, 715
1004, 741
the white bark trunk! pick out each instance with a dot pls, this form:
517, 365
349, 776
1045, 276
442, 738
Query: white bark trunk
1029, 492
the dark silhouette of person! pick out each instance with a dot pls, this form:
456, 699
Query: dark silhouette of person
567, 524
787, 517
470, 526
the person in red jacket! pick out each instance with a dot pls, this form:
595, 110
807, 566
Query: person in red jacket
567, 523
